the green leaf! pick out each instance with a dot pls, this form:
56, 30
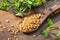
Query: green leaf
19, 4
58, 35
20, 14
45, 31
5, 5
43, 1
16, 6
50, 21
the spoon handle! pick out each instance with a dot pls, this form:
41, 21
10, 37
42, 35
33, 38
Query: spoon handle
47, 12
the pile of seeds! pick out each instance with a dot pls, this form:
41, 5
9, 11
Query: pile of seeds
30, 23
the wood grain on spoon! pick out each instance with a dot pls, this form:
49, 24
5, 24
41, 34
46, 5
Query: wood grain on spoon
50, 11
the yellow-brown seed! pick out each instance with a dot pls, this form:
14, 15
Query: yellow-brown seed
9, 30
15, 36
12, 32
15, 33
17, 30
9, 39
4, 27
1, 30
7, 21
0, 25
34, 35
12, 25
16, 39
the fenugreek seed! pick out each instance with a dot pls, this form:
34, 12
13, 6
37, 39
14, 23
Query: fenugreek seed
4, 27
16, 39
12, 25
15, 36
1, 30
0, 25
9, 30
7, 21
12, 31
15, 33
34, 35
9, 39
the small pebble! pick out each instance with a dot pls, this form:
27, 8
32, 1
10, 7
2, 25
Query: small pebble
7, 21
9, 39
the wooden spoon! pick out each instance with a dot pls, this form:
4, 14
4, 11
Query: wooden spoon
26, 26
48, 12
